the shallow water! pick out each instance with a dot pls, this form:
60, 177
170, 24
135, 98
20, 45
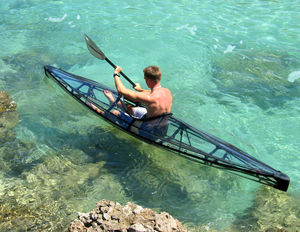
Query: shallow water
232, 68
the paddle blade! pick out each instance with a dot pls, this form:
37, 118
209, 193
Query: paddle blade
93, 48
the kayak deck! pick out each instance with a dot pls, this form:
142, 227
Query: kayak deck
169, 132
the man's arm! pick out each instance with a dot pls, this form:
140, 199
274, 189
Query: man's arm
139, 88
142, 97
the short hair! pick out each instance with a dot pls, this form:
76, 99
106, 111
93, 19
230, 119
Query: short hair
152, 72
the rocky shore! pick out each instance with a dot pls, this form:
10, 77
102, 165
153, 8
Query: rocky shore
112, 216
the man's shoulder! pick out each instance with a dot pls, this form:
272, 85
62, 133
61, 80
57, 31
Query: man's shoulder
166, 90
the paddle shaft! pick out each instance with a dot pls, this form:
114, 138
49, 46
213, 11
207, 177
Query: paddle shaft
114, 66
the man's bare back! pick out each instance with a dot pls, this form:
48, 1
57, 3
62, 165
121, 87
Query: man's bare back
160, 101
157, 101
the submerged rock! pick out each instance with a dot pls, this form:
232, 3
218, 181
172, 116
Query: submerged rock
111, 216
256, 77
272, 210
6, 103
8, 117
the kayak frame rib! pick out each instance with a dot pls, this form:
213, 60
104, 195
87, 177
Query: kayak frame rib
249, 170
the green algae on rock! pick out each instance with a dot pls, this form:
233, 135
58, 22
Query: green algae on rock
37, 191
8, 117
6, 103
272, 211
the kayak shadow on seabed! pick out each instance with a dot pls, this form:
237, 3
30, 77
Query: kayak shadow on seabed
148, 176
144, 179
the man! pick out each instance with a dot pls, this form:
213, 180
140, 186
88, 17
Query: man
157, 100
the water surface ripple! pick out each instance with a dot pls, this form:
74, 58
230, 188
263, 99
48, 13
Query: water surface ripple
233, 68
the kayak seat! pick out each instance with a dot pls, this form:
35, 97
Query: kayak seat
151, 128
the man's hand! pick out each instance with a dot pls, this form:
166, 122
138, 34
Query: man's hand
118, 70
138, 87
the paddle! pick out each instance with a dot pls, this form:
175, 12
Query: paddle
95, 51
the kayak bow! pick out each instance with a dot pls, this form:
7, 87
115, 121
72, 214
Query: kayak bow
169, 132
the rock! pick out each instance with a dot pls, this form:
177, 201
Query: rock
6, 103
138, 210
165, 222
137, 228
106, 216
8, 117
111, 216
272, 211
77, 226
94, 216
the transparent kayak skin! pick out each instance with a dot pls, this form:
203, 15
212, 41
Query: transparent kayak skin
168, 132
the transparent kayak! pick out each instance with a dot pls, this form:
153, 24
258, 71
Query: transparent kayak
167, 132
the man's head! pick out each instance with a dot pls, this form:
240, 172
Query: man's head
152, 73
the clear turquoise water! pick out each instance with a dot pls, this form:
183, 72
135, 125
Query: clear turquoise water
233, 69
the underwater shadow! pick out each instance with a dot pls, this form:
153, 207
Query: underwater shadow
255, 77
